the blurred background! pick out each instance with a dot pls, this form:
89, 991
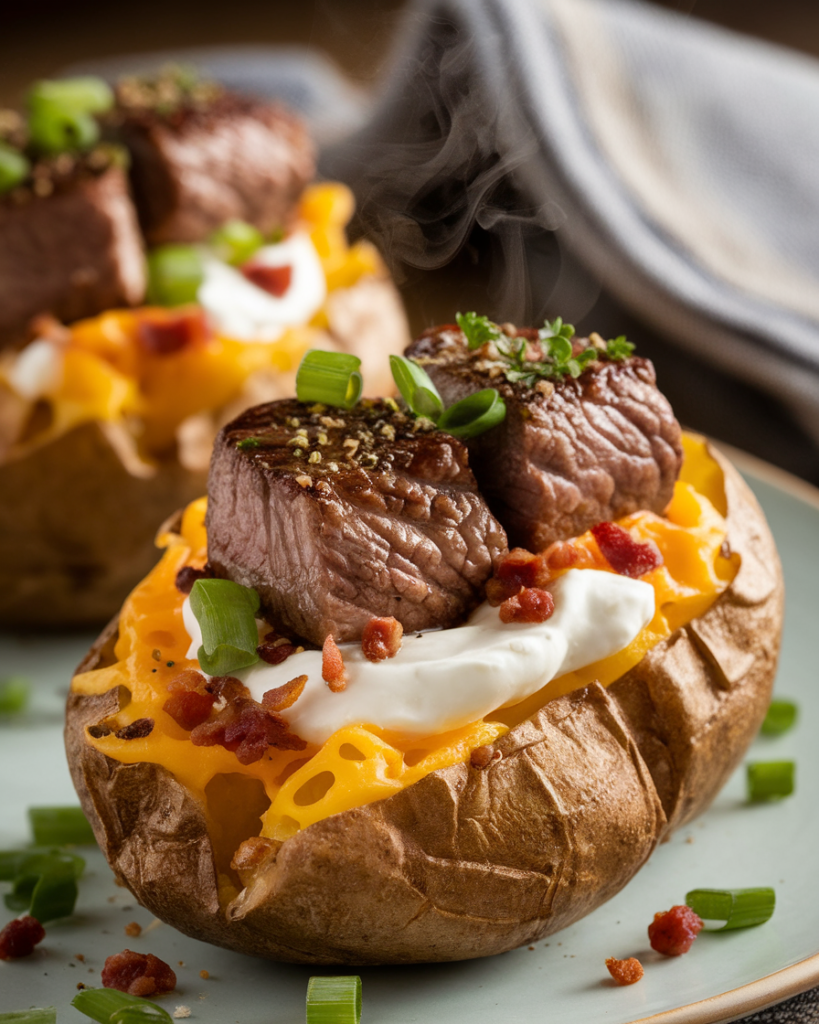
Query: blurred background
357, 35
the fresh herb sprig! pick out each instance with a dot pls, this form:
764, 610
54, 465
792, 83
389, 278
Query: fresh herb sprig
555, 337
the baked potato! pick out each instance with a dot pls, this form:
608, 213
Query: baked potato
574, 788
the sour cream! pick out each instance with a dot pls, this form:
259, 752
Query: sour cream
38, 369
443, 680
236, 308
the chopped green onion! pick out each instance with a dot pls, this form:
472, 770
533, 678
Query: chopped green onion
109, 1006
780, 717
474, 414
174, 274
236, 241
477, 329
334, 1000
14, 695
36, 1015
56, 129
329, 377
226, 614
14, 168
86, 94
738, 908
769, 780
44, 882
416, 388
59, 826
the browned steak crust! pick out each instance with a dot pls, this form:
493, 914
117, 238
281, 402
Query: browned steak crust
365, 516
201, 165
569, 454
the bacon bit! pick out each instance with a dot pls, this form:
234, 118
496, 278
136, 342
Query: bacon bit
332, 665
188, 708
283, 697
382, 638
625, 555
275, 280
561, 555
133, 930
187, 576
517, 570
187, 679
482, 757
246, 729
136, 730
672, 932
625, 972
227, 688
204, 975
273, 651
19, 937
163, 333
138, 974
530, 605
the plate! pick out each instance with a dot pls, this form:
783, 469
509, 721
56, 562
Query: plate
562, 978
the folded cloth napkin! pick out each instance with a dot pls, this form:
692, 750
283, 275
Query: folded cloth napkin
626, 165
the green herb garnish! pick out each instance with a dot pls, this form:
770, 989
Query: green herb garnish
59, 826
175, 273
474, 414
236, 241
14, 695
36, 1015
477, 329
416, 388
738, 908
44, 881
780, 717
332, 378
248, 443
226, 613
619, 348
14, 167
770, 780
108, 1006
334, 1000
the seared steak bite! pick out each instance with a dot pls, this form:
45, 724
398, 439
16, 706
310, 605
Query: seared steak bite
335, 517
208, 160
571, 452
69, 244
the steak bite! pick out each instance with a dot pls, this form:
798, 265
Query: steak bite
69, 243
570, 453
201, 156
335, 517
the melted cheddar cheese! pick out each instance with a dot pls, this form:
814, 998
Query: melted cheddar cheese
289, 790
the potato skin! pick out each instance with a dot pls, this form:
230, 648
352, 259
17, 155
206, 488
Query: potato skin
471, 862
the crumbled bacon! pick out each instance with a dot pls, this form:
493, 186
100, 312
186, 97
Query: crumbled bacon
673, 931
138, 974
625, 972
162, 333
517, 570
136, 730
482, 757
275, 280
187, 576
247, 730
274, 651
187, 679
625, 555
332, 665
530, 605
561, 555
19, 937
381, 638
188, 708
284, 696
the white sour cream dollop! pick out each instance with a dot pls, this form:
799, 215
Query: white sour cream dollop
236, 308
450, 678
38, 369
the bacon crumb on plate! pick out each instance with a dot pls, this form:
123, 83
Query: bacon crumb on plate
672, 932
625, 972
19, 937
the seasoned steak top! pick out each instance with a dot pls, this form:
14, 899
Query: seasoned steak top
571, 452
335, 517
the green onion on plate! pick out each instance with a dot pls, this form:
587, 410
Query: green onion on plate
780, 717
36, 1015
59, 826
770, 780
44, 882
109, 1006
737, 908
174, 275
332, 378
334, 1000
14, 695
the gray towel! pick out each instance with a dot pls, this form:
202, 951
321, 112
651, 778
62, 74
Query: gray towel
616, 164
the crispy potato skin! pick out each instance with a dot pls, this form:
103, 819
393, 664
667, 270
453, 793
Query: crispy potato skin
471, 862
77, 529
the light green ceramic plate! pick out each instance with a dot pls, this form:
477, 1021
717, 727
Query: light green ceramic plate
563, 979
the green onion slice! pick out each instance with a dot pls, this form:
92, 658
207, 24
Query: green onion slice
226, 613
14, 694
416, 388
56, 129
36, 1015
334, 1000
175, 273
769, 780
474, 414
59, 826
738, 908
44, 882
781, 717
236, 241
14, 168
86, 94
329, 377
108, 1006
